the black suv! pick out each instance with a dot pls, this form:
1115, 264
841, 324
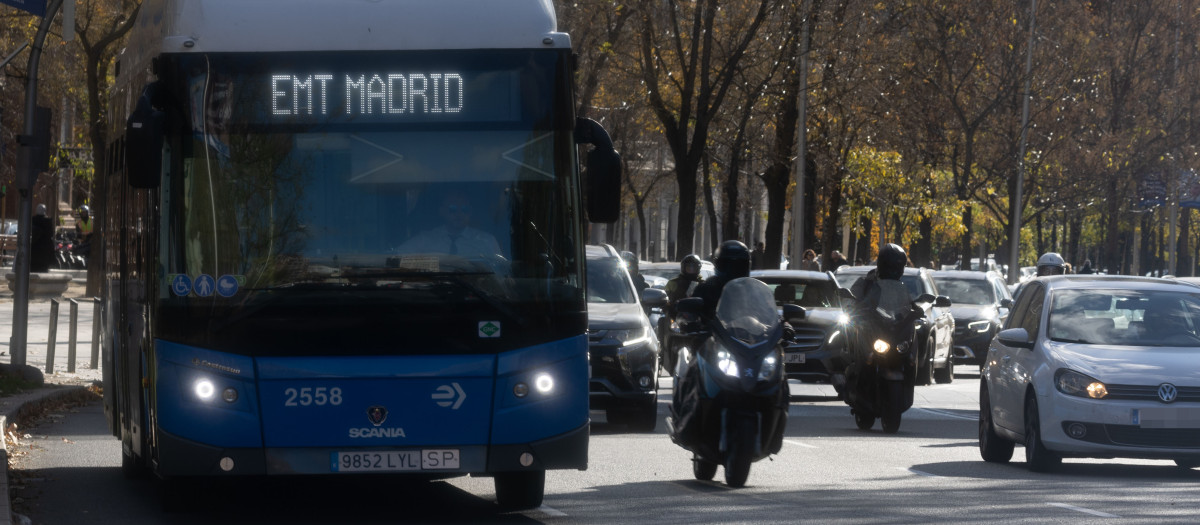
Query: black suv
622, 345
981, 303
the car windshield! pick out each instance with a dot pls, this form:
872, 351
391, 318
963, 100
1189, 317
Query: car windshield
966, 291
1125, 317
608, 282
747, 311
809, 293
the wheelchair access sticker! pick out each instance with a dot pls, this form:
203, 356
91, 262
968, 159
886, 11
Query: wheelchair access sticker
181, 284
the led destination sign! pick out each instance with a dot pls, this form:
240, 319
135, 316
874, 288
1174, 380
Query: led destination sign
393, 96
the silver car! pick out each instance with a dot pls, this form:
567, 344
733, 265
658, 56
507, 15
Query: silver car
1095, 366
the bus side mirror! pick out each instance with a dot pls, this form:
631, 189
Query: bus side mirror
603, 172
144, 143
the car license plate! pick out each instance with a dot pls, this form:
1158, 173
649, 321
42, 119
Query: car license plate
395, 460
1175, 417
793, 358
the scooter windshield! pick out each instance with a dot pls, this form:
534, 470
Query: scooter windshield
747, 310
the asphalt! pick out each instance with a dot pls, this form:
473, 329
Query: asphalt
59, 383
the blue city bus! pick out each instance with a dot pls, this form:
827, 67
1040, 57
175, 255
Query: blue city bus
345, 237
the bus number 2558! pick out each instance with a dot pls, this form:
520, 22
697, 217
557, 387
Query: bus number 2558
306, 396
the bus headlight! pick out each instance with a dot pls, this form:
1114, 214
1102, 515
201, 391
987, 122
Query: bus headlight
544, 383
204, 390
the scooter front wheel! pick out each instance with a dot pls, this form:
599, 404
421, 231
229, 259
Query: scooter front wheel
890, 419
703, 469
739, 456
865, 420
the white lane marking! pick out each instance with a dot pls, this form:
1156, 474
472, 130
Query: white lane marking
947, 414
799, 444
552, 512
918, 472
1083, 510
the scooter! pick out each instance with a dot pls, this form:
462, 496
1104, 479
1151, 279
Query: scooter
882, 374
731, 396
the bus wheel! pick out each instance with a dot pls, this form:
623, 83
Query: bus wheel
520, 490
131, 468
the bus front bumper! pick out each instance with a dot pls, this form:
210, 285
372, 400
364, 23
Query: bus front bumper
189, 458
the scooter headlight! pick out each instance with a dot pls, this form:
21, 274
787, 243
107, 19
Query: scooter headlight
768, 367
726, 363
881, 346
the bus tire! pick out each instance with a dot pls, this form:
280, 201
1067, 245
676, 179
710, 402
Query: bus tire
520, 490
131, 467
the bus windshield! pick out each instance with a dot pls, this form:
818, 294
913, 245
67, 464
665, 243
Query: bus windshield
420, 192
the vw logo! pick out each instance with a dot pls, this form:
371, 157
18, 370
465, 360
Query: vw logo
1167, 392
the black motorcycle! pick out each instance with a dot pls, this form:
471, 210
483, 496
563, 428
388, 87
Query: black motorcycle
881, 377
731, 396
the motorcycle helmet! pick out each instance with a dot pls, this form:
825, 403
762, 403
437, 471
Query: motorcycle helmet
1051, 263
732, 260
84, 210
892, 261
690, 266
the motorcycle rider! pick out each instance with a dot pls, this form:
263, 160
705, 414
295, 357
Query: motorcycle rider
677, 288
1050, 263
875, 293
731, 261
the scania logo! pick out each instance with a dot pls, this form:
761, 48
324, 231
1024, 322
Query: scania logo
1167, 392
377, 415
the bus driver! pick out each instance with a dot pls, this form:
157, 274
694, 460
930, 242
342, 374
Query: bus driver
454, 236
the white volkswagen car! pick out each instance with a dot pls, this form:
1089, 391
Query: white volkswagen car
1095, 366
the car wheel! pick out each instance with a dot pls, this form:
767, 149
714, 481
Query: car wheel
1187, 463
1037, 456
703, 470
925, 362
520, 490
992, 447
945, 374
616, 416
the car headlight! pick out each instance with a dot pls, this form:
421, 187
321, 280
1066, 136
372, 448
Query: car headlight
726, 363
632, 337
767, 369
881, 346
843, 319
979, 326
1074, 383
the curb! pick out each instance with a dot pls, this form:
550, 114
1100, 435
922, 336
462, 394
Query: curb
15, 409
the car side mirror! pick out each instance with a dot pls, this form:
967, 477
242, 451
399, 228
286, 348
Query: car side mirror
793, 313
925, 298
653, 298
942, 302
1015, 337
1006, 303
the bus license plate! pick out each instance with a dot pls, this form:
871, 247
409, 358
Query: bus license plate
794, 357
396, 460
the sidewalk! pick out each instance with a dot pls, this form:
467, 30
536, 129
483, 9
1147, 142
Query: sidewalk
59, 382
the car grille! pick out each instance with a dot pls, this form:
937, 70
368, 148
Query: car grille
1150, 393
807, 338
1154, 437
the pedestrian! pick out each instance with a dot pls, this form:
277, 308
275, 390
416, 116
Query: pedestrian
758, 257
836, 260
810, 262
1087, 267
41, 243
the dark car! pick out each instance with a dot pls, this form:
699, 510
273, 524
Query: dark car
980, 305
936, 330
816, 355
622, 345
